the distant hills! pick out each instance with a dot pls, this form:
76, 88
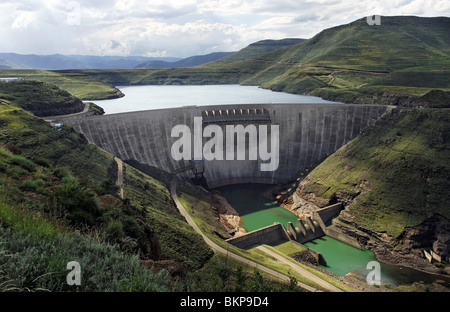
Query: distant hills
249, 52
186, 62
258, 48
58, 61
64, 62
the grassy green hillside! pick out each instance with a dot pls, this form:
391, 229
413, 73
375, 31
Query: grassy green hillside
82, 86
357, 62
256, 49
40, 98
383, 48
395, 175
58, 198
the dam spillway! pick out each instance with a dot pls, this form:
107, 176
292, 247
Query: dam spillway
307, 134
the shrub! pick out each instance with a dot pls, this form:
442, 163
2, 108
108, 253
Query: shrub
16, 172
41, 264
114, 231
22, 162
42, 162
60, 173
80, 217
37, 186
3, 166
73, 197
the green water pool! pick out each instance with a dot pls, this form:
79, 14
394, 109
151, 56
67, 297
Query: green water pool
257, 211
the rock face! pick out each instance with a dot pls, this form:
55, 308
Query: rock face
432, 234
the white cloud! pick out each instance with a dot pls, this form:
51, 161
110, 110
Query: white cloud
23, 20
179, 28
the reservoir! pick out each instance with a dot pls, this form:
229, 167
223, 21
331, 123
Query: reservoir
138, 98
258, 211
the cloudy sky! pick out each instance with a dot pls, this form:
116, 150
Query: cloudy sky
179, 28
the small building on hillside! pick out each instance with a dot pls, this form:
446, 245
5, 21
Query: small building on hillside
9, 79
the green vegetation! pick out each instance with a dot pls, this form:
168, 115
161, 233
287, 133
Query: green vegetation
400, 168
79, 85
96, 109
256, 49
40, 208
201, 207
225, 274
286, 247
40, 98
58, 193
36, 264
178, 240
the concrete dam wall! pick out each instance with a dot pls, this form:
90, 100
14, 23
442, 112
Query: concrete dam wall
301, 134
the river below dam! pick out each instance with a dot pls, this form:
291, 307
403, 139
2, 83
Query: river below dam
257, 211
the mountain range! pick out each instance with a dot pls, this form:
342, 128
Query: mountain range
58, 61
64, 62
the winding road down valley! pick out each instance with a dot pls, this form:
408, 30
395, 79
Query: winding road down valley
217, 248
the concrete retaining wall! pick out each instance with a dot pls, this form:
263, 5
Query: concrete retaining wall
329, 212
266, 235
343, 238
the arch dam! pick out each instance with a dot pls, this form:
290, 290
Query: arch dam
307, 133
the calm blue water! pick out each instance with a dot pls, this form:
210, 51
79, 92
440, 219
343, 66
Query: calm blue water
156, 97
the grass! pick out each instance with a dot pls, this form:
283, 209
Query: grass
55, 182
177, 239
400, 166
36, 264
286, 247
78, 84
200, 206
40, 98
29, 224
